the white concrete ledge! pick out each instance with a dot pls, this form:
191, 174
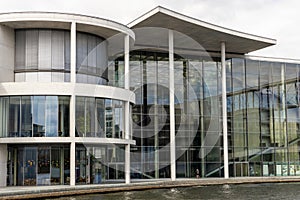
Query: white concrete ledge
79, 89
66, 140
51, 20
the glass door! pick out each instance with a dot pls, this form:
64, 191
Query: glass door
43, 175
29, 166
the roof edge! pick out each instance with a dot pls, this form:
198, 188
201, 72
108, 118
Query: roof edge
160, 9
66, 17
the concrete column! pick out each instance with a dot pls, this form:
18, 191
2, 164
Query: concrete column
172, 106
127, 109
3, 164
73, 52
126, 61
72, 105
72, 164
224, 111
127, 164
72, 137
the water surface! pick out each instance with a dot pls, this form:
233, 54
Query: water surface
287, 191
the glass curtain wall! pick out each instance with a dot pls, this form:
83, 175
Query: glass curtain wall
97, 117
91, 61
38, 165
263, 114
34, 116
99, 164
100, 61
150, 157
198, 118
42, 55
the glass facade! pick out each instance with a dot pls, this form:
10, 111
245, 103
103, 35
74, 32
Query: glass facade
30, 165
263, 118
98, 117
91, 61
97, 62
197, 116
262, 110
34, 116
99, 164
150, 157
42, 55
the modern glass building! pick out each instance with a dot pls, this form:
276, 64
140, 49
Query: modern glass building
85, 100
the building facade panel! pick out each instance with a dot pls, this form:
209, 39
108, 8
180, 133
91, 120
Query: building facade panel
7, 55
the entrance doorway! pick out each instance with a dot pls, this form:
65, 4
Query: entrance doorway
38, 165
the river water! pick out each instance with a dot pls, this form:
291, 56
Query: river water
280, 191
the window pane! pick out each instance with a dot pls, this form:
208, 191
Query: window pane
44, 49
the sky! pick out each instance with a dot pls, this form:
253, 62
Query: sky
276, 19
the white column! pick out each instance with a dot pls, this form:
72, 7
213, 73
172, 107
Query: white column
224, 111
73, 52
72, 105
72, 164
127, 109
126, 61
172, 108
3, 164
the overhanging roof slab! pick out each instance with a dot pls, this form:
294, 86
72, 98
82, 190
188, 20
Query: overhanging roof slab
208, 35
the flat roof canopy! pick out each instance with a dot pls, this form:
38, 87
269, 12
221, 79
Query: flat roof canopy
208, 35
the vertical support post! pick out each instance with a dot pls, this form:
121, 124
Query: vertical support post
126, 61
172, 107
72, 104
72, 164
156, 131
127, 109
224, 111
73, 52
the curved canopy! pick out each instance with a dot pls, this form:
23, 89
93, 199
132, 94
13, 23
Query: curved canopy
206, 34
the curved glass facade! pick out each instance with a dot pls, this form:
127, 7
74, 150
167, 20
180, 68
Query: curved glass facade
99, 164
42, 55
91, 52
99, 61
99, 117
31, 165
34, 116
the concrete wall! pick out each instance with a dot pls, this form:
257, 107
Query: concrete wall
3, 164
7, 60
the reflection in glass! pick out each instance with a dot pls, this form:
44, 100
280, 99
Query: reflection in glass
34, 116
99, 164
30, 165
97, 117
45, 50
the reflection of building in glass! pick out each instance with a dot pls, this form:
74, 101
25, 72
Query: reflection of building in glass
85, 100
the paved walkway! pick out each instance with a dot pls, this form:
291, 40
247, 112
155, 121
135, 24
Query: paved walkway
32, 192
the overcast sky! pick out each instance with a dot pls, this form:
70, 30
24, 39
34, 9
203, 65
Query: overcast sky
277, 19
